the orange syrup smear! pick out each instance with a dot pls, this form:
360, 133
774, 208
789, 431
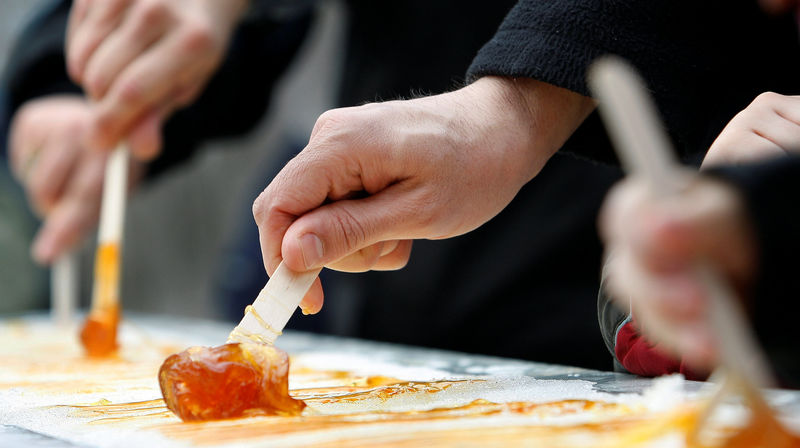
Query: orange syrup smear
99, 333
228, 381
763, 430
619, 425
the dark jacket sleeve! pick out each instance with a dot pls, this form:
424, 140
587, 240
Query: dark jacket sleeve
771, 191
233, 102
689, 53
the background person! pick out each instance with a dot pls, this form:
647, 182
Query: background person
739, 215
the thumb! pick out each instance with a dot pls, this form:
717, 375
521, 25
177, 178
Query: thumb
336, 230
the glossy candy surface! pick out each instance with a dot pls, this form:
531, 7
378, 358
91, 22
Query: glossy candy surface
231, 380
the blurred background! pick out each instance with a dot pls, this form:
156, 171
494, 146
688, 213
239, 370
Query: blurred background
177, 224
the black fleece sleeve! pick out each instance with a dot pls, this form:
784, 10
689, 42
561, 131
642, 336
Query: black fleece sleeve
703, 61
771, 191
232, 103
555, 41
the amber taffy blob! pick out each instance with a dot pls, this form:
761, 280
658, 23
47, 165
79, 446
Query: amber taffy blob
211, 383
99, 332
763, 430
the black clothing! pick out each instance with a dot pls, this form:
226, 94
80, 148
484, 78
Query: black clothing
770, 190
704, 61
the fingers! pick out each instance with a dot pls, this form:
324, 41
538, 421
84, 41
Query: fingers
351, 228
677, 296
50, 173
144, 140
782, 132
768, 127
143, 25
75, 214
657, 243
90, 23
392, 255
46, 141
381, 256
25, 142
706, 222
671, 310
174, 64
313, 300
777, 6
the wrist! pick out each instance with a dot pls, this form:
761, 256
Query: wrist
538, 117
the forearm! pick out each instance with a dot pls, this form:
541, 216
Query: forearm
537, 117
554, 113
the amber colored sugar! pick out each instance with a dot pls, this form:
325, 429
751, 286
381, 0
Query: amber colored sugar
203, 383
763, 430
99, 333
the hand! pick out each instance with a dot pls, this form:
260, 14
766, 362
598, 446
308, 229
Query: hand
63, 180
139, 60
777, 6
768, 127
374, 177
654, 245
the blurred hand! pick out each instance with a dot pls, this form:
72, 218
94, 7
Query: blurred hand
777, 6
653, 245
139, 60
768, 127
62, 179
373, 178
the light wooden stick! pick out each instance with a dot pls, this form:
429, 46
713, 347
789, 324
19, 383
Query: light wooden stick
63, 288
265, 319
115, 185
644, 149
112, 220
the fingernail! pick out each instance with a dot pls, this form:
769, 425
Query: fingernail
311, 247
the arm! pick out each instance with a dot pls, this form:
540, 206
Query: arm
373, 178
37, 80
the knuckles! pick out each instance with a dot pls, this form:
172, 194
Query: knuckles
352, 230
766, 99
150, 12
197, 37
262, 208
131, 92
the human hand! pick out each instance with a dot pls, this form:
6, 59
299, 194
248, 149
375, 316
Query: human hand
777, 6
139, 60
654, 245
373, 178
62, 179
768, 127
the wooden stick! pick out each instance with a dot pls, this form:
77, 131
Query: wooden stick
265, 319
63, 288
105, 293
644, 149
